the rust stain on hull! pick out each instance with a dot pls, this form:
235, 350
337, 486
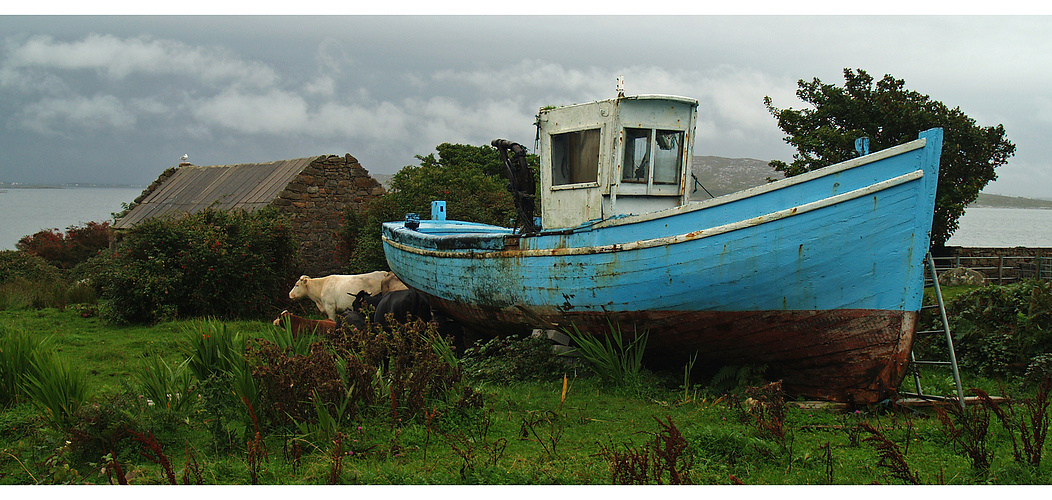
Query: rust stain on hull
854, 356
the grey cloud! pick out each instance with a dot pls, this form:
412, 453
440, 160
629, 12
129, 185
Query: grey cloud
273, 112
92, 113
118, 58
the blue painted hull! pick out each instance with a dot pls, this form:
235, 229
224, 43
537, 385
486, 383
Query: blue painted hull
818, 276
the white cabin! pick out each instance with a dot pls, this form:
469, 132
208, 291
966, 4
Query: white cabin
628, 155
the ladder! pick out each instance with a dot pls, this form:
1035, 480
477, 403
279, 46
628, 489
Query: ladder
916, 364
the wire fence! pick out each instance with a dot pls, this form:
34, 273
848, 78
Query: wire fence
1001, 269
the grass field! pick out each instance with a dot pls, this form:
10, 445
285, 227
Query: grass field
657, 429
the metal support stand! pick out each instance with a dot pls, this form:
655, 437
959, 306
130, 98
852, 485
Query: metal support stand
952, 363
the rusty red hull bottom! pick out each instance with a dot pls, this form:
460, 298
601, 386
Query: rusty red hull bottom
853, 355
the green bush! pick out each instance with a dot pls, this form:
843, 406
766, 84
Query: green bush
21, 265
16, 354
31, 371
19, 293
401, 372
211, 263
1000, 331
502, 359
168, 387
613, 358
55, 387
102, 426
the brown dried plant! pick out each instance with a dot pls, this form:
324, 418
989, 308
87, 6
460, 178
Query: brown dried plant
114, 468
659, 461
152, 451
192, 467
766, 407
335, 453
1031, 424
890, 457
968, 428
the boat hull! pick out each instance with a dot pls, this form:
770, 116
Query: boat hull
857, 356
819, 277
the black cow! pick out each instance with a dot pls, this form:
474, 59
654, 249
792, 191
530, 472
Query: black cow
363, 297
403, 305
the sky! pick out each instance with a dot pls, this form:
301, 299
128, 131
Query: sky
117, 99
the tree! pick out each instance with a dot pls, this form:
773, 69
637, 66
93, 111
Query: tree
889, 115
469, 178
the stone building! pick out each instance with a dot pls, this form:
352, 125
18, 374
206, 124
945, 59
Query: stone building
313, 193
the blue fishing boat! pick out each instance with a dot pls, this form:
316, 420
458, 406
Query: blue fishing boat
819, 276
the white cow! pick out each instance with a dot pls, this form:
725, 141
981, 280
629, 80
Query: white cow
336, 292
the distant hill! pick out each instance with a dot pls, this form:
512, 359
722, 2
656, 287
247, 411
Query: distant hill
1000, 201
383, 179
720, 176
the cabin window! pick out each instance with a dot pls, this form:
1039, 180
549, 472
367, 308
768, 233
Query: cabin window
636, 167
641, 159
575, 157
668, 156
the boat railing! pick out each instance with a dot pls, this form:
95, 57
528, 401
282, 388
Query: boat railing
999, 269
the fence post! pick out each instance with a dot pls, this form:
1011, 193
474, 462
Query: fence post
1000, 269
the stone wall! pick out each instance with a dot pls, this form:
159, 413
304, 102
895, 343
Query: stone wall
315, 202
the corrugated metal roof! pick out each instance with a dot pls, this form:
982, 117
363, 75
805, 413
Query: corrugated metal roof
249, 186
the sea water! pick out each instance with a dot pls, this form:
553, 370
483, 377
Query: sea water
1003, 228
26, 211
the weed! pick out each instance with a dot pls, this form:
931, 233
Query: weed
112, 467
17, 350
58, 468
213, 348
326, 426
514, 358
615, 359
293, 453
335, 454
256, 448
549, 423
55, 387
192, 467
764, 406
688, 394
294, 385
968, 428
101, 426
827, 460
1028, 430
256, 451
408, 369
730, 377
659, 461
153, 452
472, 443
171, 388
890, 457
849, 424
